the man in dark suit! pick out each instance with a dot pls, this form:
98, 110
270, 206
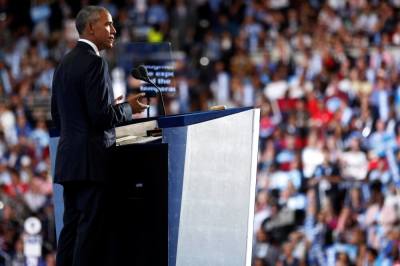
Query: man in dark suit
84, 110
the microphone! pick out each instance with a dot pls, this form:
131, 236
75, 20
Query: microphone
136, 74
141, 73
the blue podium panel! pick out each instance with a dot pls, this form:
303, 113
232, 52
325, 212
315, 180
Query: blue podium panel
197, 117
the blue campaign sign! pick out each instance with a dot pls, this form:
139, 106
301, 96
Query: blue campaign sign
155, 57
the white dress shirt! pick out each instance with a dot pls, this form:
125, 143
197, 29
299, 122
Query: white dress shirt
91, 44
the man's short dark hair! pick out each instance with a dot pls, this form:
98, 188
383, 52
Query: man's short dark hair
86, 15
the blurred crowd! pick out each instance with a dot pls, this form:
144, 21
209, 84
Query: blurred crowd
325, 75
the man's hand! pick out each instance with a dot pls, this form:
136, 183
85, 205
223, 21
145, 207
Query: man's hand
137, 107
118, 99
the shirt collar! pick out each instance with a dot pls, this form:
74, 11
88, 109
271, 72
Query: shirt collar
91, 44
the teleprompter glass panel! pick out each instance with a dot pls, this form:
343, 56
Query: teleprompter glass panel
155, 57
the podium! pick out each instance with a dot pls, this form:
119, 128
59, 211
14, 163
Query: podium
188, 195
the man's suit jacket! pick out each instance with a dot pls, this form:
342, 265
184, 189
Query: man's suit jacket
82, 109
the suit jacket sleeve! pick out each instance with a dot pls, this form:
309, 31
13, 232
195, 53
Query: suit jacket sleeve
103, 114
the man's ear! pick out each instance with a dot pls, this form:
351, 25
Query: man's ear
90, 28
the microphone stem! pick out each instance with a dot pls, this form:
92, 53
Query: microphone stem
160, 93
148, 109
